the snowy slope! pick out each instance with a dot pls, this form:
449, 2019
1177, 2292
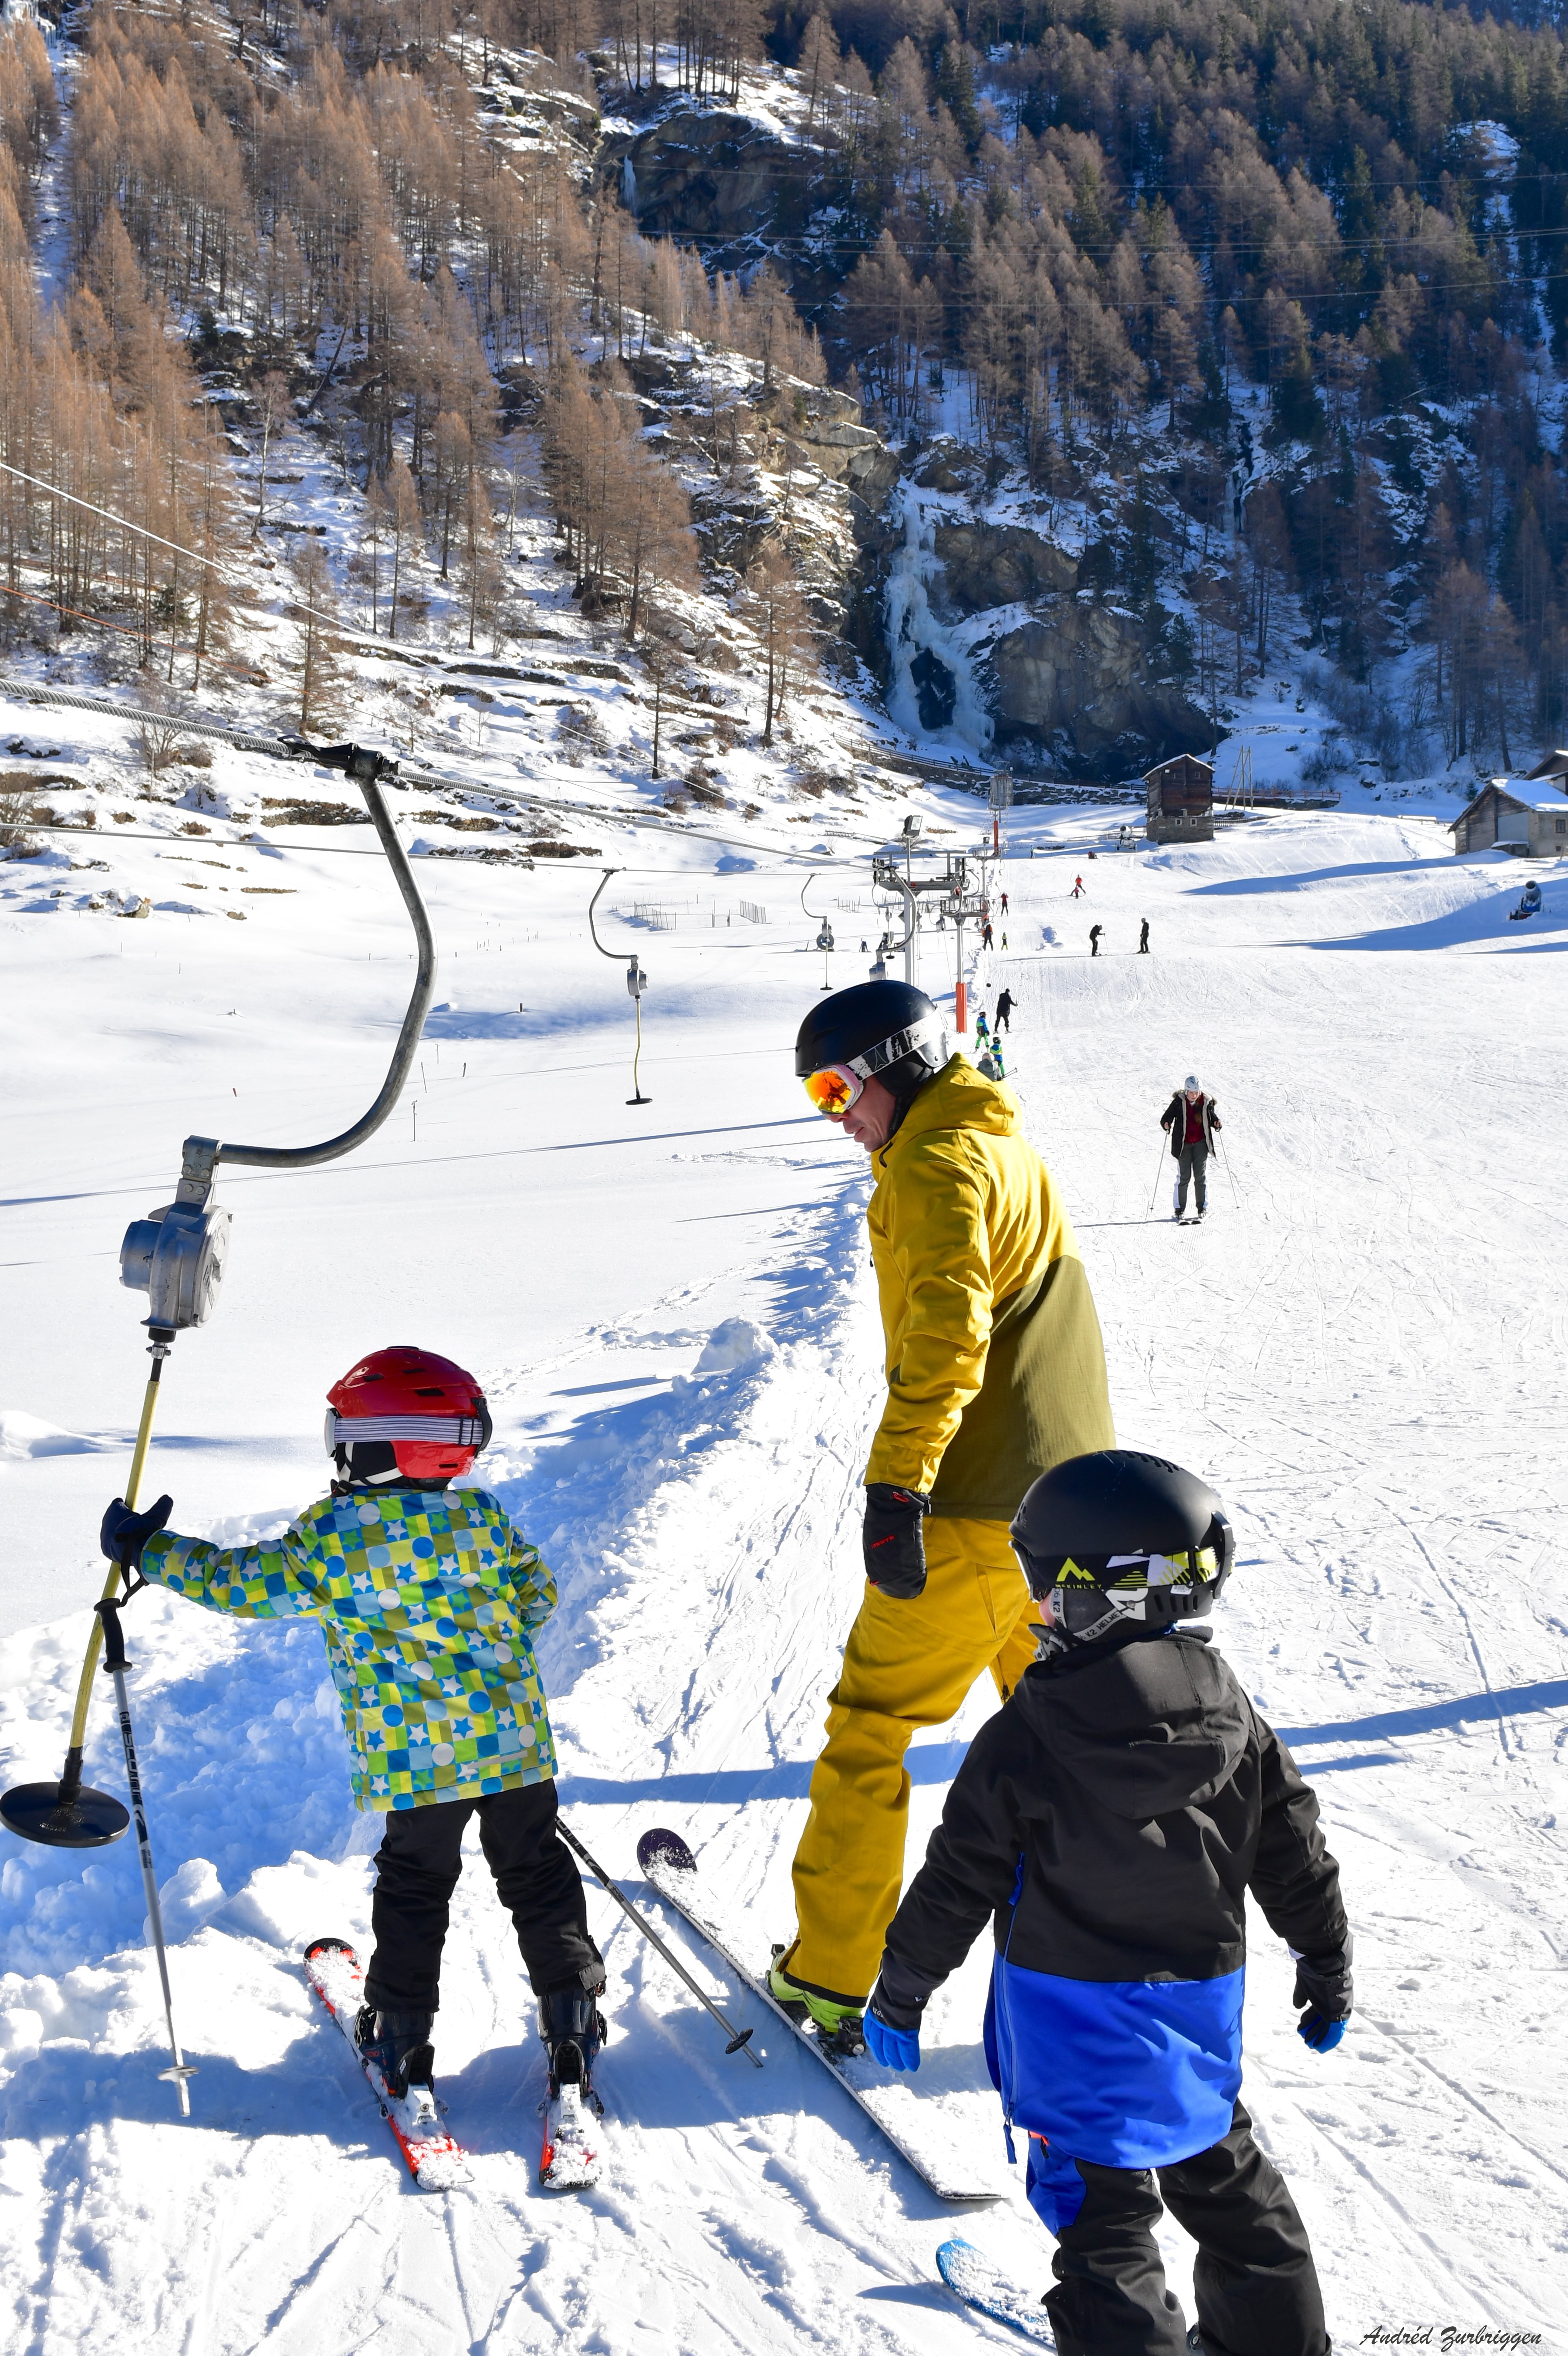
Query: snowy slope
1357, 1351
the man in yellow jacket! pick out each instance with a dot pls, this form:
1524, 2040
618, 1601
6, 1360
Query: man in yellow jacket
996, 1372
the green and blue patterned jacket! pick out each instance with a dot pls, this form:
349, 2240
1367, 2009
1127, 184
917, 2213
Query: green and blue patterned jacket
428, 1599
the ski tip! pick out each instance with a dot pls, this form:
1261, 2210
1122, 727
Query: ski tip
329, 1947
950, 2257
667, 1848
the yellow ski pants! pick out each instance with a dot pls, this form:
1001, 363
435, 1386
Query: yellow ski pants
905, 1665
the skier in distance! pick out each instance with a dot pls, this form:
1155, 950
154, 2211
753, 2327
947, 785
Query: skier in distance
428, 1601
994, 1372
1111, 1817
1095, 933
1004, 1011
1191, 1118
1143, 937
1077, 887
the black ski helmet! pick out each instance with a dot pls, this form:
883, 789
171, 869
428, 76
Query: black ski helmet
886, 1031
1123, 1536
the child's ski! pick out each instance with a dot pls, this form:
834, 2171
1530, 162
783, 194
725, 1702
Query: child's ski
435, 2163
970, 2275
914, 2130
569, 2161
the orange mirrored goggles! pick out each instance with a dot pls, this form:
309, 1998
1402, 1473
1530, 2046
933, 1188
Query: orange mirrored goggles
834, 1089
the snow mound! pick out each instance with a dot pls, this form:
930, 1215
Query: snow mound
734, 1347
24, 1436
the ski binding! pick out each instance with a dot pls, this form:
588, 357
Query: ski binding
435, 2161
569, 2161
970, 2277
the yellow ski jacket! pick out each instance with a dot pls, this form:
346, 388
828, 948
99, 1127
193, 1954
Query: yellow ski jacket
996, 1367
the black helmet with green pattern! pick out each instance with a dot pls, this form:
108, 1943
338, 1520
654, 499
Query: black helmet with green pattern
1117, 1537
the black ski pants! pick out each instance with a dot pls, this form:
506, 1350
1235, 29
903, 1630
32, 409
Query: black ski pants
417, 1868
1255, 2282
1193, 1165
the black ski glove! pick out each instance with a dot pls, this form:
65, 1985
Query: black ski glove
124, 1534
891, 1541
1323, 1987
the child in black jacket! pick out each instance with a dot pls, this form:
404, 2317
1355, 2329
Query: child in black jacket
1112, 1817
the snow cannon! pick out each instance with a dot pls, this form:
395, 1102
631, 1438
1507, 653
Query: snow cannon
177, 1256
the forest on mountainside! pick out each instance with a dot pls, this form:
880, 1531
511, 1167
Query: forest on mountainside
1274, 289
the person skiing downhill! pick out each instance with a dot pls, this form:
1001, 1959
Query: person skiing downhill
1111, 1817
1191, 1118
994, 1372
428, 1601
1078, 887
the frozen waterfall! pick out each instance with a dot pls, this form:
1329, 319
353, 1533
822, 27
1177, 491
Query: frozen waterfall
932, 691
629, 186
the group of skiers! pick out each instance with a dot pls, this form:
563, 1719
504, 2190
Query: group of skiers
1109, 1818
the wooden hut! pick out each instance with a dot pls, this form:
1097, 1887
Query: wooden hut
1181, 800
1508, 818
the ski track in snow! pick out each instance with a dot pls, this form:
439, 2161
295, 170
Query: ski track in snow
1359, 1356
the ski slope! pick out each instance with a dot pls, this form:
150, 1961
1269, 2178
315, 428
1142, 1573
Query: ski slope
671, 1309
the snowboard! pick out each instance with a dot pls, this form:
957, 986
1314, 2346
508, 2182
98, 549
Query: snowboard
435, 2161
915, 2130
970, 2277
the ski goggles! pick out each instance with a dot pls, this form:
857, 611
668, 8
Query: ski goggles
429, 1430
1126, 1579
833, 1088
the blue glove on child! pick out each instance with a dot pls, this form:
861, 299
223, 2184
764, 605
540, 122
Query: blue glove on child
124, 1534
896, 2046
1323, 1987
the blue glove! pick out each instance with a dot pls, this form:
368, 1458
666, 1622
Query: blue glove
1325, 1988
895, 2049
124, 1534
1320, 2034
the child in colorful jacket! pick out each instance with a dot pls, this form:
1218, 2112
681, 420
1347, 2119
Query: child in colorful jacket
428, 1601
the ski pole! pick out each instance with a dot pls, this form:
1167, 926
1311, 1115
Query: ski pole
116, 1663
1229, 1173
1158, 1169
738, 2037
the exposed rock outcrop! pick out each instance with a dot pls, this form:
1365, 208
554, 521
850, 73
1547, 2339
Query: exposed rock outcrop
999, 564
1077, 684
718, 178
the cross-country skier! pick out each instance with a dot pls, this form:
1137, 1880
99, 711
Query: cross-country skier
1111, 1817
1004, 1011
1191, 1118
994, 1372
428, 1601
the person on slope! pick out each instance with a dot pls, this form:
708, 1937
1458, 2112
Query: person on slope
1078, 887
1004, 1011
994, 1371
1095, 933
1111, 1817
427, 1602
1191, 1118
1143, 937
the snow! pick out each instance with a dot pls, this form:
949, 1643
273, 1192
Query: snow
672, 1312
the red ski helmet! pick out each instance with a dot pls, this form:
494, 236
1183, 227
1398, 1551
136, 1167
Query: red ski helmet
431, 1412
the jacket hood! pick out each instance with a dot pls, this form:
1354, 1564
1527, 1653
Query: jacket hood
1150, 1727
958, 1098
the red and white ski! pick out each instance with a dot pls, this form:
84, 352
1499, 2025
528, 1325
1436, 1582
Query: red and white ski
435, 2163
568, 2160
